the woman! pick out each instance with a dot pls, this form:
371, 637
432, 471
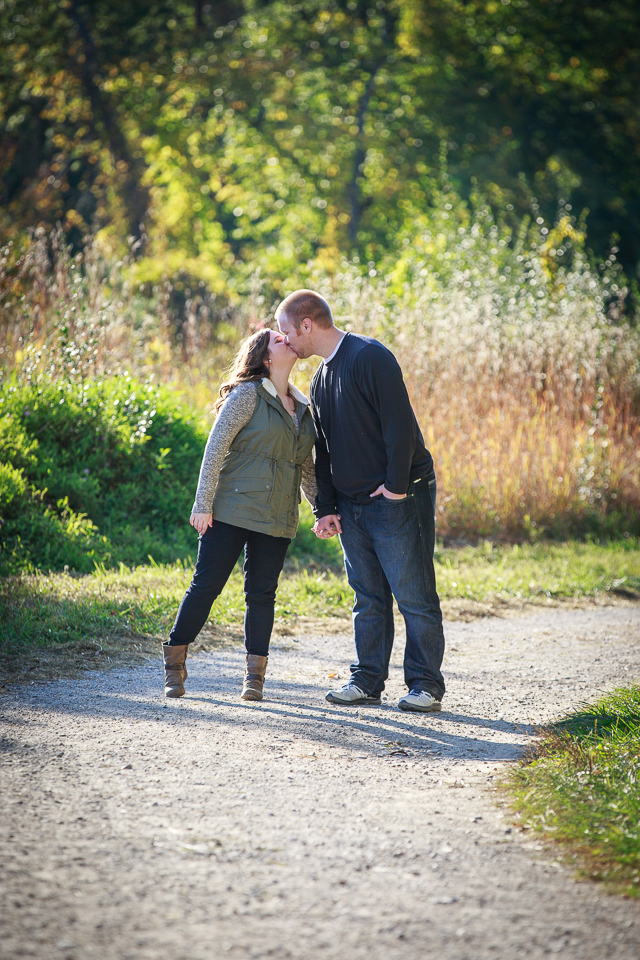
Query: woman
258, 453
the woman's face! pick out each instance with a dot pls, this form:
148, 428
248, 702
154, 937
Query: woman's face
280, 353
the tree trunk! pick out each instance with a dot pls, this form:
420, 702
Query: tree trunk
359, 158
108, 125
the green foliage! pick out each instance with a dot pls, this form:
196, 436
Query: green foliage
584, 788
102, 470
271, 134
35, 532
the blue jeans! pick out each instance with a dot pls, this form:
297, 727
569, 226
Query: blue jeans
388, 552
218, 551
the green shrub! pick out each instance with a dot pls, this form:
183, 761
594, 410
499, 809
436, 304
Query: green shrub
35, 534
103, 470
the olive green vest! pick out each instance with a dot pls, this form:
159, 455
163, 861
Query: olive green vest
259, 485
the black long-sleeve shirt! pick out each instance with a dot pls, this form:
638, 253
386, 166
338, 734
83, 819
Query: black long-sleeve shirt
367, 430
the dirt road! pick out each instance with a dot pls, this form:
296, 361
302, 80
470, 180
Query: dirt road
135, 828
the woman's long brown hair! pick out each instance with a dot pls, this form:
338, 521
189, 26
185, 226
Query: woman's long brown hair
249, 366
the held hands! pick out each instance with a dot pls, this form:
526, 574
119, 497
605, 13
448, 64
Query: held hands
327, 526
201, 521
387, 493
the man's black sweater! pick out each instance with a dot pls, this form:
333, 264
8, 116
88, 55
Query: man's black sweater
367, 430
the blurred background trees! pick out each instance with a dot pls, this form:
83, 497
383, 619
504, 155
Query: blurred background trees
218, 138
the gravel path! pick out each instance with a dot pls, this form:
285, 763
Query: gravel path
201, 828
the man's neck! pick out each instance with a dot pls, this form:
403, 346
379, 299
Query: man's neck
328, 341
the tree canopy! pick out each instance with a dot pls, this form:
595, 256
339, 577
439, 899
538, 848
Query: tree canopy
222, 137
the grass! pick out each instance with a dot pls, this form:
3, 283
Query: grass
112, 613
583, 789
539, 571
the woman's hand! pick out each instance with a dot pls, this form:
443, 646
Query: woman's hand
201, 521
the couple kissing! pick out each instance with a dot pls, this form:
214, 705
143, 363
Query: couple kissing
356, 453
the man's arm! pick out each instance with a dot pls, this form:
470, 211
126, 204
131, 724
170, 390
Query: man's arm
380, 379
326, 499
326, 506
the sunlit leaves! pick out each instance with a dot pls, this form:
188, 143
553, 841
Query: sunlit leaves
306, 131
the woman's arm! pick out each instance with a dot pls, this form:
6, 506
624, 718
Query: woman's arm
308, 484
235, 414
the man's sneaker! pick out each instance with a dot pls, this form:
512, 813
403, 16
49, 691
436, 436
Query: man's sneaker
420, 702
350, 696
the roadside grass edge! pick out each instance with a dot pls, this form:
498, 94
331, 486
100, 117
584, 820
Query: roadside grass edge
579, 787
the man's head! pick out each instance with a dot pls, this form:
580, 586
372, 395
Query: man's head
302, 317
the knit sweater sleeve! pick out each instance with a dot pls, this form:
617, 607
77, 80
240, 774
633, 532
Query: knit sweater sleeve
235, 413
309, 485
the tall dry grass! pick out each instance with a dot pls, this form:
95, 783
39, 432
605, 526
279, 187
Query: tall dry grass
74, 317
524, 376
523, 373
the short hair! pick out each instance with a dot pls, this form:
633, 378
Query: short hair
305, 303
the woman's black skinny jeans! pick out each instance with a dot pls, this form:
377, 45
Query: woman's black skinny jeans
218, 550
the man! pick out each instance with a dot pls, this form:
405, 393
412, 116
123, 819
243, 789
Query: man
377, 490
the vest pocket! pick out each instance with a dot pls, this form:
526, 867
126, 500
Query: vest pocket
251, 496
263, 488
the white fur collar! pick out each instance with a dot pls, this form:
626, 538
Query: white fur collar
295, 393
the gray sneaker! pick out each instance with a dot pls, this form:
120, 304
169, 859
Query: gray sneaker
351, 696
419, 701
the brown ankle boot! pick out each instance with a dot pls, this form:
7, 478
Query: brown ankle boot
254, 672
175, 671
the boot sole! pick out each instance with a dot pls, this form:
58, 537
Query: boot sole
363, 702
173, 693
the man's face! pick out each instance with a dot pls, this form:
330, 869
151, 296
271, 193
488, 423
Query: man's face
299, 340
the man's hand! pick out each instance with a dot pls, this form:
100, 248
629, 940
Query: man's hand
327, 526
201, 521
387, 493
